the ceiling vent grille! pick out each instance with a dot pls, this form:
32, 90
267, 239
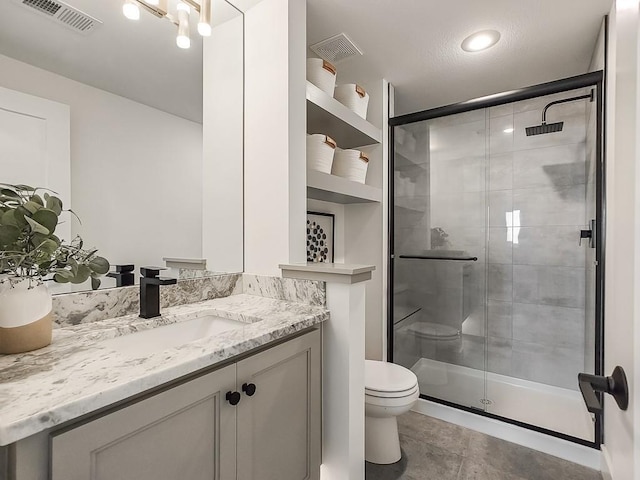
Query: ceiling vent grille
337, 48
63, 14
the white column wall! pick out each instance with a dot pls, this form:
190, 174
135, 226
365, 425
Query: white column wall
622, 300
222, 147
275, 146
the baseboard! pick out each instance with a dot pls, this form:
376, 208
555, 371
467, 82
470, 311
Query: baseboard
606, 464
573, 452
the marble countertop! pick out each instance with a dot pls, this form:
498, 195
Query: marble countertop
77, 375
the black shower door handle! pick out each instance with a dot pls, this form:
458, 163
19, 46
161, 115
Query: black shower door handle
616, 385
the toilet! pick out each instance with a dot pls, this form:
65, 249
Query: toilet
390, 390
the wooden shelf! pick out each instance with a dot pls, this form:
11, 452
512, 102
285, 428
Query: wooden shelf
331, 188
328, 116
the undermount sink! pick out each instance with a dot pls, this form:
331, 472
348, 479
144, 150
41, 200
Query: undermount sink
157, 339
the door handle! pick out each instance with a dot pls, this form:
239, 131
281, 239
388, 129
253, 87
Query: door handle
616, 385
590, 234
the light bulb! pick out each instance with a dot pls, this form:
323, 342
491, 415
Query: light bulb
131, 10
480, 41
183, 40
204, 25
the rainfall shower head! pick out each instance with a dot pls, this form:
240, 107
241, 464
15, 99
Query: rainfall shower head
554, 127
544, 128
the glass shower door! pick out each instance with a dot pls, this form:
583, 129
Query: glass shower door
541, 276
439, 258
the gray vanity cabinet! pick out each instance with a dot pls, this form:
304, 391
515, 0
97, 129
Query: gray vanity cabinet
279, 416
186, 433
192, 431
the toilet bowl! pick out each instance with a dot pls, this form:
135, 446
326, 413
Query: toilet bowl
390, 390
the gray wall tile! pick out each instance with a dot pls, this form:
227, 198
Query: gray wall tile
499, 355
552, 365
548, 325
500, 202
500, 282
549, 167
554, 245
500, 318
550, 205
559, 286
501, 172
500, 249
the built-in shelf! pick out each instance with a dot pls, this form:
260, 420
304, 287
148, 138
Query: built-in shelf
328, 116
416, 204
402, 312
331, 188
401, 163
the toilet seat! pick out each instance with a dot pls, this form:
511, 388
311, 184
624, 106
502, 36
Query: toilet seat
434, 331
388, 380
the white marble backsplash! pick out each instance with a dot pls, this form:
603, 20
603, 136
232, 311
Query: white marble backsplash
92, 306
287, 289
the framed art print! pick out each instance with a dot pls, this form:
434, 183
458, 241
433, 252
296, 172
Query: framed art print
320, 237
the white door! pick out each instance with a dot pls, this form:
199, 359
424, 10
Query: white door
35, 146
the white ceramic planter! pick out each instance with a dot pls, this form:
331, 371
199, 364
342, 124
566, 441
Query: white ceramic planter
25, 316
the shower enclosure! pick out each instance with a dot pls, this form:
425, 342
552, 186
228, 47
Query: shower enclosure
496, 240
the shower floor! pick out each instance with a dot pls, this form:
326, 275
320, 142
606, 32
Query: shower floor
554, 408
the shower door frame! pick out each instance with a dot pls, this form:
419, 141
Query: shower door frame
592, 79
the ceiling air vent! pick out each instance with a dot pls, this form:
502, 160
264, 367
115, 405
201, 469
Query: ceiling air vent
335, 49
63, 14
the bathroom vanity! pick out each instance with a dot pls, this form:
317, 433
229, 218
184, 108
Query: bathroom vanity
242, 402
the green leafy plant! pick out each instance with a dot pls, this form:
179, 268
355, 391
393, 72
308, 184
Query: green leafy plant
29, 247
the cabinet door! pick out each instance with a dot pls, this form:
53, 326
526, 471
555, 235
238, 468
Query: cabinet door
185, 433
279, 426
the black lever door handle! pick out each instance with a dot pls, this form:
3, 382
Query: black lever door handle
249, 389
616, 385
233, 398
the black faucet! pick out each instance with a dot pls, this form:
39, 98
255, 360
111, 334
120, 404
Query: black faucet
123, 275
150, 291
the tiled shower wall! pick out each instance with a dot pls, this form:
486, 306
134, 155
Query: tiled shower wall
518, 203
536, 268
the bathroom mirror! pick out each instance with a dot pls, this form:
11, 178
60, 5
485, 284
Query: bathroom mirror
108, 112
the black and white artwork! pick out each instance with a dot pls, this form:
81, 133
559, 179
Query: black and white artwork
320, 237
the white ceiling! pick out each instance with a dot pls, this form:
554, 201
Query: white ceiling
415, 44
135, 59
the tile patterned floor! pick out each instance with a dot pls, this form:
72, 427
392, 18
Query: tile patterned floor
436, 450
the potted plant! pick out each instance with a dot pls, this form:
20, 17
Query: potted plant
30, 255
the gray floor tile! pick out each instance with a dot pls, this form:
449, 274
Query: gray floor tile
472, 470
437, 450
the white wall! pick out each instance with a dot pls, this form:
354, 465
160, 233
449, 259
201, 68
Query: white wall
135, 171
622, 298
275, 137
223, 139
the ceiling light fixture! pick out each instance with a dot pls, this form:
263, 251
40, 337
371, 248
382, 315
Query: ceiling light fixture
508, 130
480, 41
204, 25
131, 10
183, 40
159, 8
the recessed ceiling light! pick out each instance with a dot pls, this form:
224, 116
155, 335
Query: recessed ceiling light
508, 130
480, 41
